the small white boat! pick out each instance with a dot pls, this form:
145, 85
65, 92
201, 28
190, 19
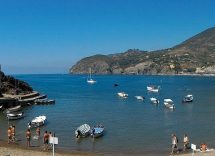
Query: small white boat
122, 94
153, 89
15, 116
82, 131
37, 121
97, 131
89, 79
13, 109
139, 98
188, 98
154, 100
1, 106
168, 103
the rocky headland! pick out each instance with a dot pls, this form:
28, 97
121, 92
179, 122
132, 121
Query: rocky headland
193, 56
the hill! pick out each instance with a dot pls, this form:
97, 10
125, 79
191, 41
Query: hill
193, 56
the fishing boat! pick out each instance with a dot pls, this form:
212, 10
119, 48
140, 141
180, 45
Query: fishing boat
37, 121
82, 131
15, 116
139, 98
153, 89
188, 98
168, 103
89, 79
122, 94
154, 100
13, 109
97, 131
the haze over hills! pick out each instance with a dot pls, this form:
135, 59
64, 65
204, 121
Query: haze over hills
193, 56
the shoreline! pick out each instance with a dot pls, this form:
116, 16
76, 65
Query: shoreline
14, 149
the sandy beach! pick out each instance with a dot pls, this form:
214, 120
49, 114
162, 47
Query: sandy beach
18, 150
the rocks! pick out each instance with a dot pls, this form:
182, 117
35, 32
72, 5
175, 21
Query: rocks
10, 85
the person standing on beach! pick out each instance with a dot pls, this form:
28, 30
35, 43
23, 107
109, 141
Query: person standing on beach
174, 144
9, 134
46, 140
186, 142
28, 137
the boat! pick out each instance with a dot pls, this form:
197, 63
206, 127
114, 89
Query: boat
1, 106
44, 101
82, 131
37, 121
188, 98
154, 100
97, 131
15, 116
139, 98
13, 109
168, 103
153, 89
122, 94
89, 79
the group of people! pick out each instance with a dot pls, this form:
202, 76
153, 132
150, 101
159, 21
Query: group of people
46, 136
175, 143
203, 146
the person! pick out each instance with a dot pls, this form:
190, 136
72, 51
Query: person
50, 135
9, 134
174, 144
78, 134
13, 133
28, 137
38, 132
203, 147
186, 142
46, 140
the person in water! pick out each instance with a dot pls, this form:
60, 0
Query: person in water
78, 134
13, 130
38, 132
9, 134
186, 142
174, 144
28, 137
203, 147
46, 140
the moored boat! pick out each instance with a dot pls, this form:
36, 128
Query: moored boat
154, 100
37, 121
15, 116
97, 131
139, 98
122, 94
82, 131
168, 103
13, 109
188, 98
153, 89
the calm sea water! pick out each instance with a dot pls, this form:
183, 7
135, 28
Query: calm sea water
132, 126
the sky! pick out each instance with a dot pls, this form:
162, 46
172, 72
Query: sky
50, 36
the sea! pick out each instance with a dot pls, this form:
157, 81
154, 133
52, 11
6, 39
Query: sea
132, 127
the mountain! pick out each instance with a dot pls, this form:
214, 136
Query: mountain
193, 56
10, 85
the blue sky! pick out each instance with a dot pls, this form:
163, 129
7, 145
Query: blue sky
49, 36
